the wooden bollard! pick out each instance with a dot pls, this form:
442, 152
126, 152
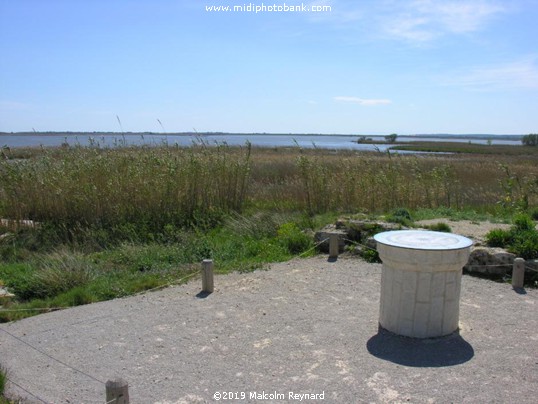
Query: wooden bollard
117, 391
333, 245
518, 273
207, 276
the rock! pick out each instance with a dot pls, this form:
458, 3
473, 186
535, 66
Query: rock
14, 225
490, 261
371, 243
352, 230
360, 230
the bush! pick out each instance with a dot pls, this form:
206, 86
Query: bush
498, 238
370, 255
525, 244
521, 239
293, 239
530, 140
401, 216
523, 222
534, 214
442, 227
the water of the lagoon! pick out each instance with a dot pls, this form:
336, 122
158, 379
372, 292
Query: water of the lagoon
332, 142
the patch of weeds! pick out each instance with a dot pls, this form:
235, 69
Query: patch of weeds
3, 382
258, 226
370, 255
442, 227
291, 237
60, 272
76, 296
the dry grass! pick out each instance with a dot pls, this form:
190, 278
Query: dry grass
171, 185
320, 181
87, 186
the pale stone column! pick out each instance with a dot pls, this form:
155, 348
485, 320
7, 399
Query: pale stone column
421, 281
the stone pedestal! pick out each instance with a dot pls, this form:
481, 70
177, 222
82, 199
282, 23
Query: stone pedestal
420, 282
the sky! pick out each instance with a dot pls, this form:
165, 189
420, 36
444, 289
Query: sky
341, 66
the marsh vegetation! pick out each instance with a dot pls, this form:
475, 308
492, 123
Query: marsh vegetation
112, 222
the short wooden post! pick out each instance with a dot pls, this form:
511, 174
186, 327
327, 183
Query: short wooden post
518, 273
117, 392
207, 276
333, 245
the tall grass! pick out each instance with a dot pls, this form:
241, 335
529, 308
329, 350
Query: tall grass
317, 181
160, 188
85, 187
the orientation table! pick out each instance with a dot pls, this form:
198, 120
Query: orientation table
421, 281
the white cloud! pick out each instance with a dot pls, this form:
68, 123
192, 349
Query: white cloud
410, 28
466, 16
415, 21
521, 74
362, 101
425, 20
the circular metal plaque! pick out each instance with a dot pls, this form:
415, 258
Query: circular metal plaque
423, 240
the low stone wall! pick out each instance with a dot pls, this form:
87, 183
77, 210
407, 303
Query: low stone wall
484, 261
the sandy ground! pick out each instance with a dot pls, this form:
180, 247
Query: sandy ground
305, 326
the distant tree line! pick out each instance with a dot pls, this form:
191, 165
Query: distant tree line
530, 140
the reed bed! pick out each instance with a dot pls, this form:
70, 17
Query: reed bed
104, 188
318, 181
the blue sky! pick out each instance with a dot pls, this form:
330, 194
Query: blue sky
359, 67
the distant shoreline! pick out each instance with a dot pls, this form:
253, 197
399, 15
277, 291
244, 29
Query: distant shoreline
479, 136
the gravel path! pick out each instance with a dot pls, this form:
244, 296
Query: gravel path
305, 326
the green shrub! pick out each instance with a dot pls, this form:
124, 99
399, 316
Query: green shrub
525, 244
402, 212
521, 239
534, 214
370, 255
523, 222
401, 216
3, 381
498, 238
293, 239
442, 227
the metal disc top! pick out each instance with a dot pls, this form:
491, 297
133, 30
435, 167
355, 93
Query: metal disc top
423, 240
